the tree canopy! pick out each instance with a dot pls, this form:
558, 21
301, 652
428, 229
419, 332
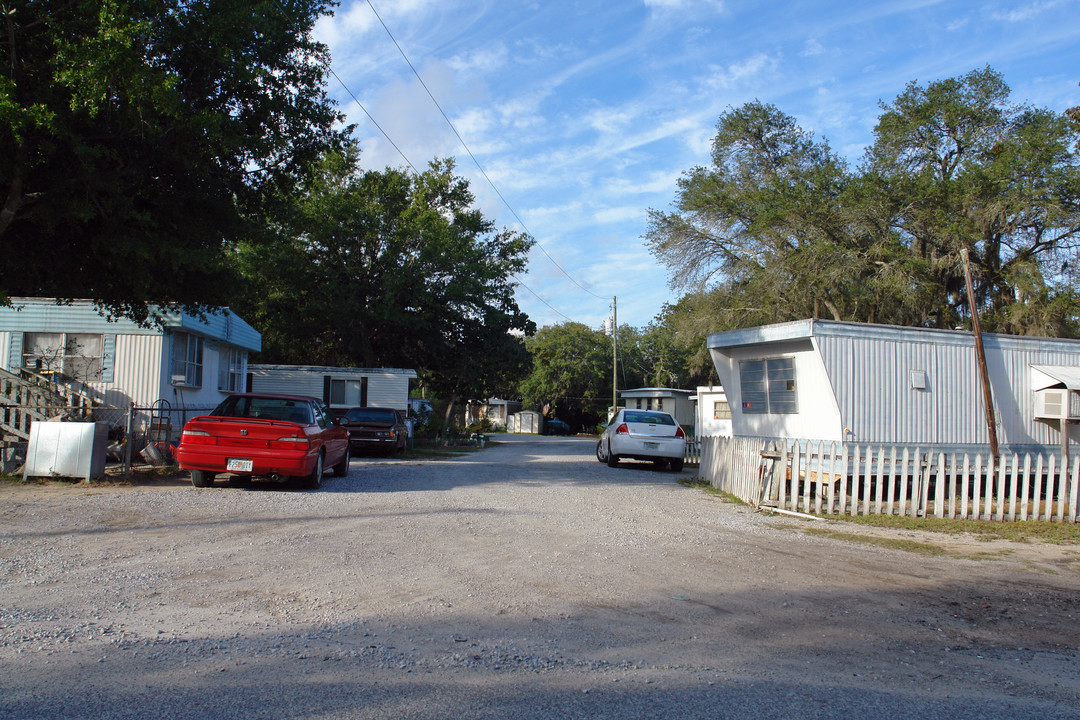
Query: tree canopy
779, 228
138, 136
385, 268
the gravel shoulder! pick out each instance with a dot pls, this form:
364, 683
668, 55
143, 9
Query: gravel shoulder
523, 581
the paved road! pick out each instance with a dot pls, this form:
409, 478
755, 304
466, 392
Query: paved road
525, 581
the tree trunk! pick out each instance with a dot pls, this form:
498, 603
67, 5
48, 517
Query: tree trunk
448, 414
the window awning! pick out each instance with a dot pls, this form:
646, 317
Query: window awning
1048, 376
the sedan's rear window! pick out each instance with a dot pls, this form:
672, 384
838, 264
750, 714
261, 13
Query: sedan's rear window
650, 418
265, 408
362, 415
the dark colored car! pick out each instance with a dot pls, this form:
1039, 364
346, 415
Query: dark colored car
379, 429
556, 427
264, 435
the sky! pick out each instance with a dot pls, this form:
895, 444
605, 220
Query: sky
582, 116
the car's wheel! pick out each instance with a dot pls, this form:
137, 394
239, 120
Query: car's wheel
314, 480
342, 468
676, 464
600, 451
612, 458
201, 478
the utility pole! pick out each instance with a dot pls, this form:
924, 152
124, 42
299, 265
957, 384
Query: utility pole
614, 354
980, 356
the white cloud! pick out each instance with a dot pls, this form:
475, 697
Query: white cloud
485, 60
619, 214
1026, 12
742, 73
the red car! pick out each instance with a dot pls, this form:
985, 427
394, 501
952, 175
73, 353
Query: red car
266, 435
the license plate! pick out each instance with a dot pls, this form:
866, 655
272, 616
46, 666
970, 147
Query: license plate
652, 446
237, 465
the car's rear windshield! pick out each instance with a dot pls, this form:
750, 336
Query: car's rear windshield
360, 415
265, 408
648, 417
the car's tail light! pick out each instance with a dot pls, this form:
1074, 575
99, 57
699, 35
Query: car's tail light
290, 443
197, 437
679, 433
622, 430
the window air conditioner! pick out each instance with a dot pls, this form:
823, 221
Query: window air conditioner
1057, 404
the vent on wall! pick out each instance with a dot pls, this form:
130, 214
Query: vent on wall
1057, 404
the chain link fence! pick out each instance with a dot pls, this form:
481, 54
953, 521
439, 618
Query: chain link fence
149, 433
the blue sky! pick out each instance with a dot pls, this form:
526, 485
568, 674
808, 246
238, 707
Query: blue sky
584, 114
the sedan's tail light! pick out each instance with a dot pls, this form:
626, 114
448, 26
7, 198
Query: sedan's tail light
679, 433
622, 430
197, 437
290, 443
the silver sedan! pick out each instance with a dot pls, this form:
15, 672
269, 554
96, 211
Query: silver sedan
642, 435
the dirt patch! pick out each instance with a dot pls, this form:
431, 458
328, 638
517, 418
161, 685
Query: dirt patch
523, 581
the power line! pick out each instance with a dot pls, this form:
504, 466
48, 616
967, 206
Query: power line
471, 155
408, 162
373, 122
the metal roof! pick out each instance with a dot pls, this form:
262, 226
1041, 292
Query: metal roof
807, 329
323, 369
1067, 375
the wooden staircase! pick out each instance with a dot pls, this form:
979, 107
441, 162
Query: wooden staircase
27, 397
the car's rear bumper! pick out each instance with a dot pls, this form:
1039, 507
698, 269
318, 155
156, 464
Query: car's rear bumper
647, 448
263, 461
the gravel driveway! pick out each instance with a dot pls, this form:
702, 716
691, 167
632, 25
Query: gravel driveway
523, 581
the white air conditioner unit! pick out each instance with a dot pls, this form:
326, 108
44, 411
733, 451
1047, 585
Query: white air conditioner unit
1057, 404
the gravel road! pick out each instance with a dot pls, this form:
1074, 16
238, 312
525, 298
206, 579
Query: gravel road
523, 581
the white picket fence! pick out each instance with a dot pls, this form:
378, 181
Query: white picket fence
841, 479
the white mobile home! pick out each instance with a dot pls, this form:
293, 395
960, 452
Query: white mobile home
338, 387
677, 402
856, 382
187, 363
712, 411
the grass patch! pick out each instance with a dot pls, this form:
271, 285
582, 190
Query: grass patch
920, 548
706, 487
1028, 530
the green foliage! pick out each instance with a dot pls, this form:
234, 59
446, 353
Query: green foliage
571, 370
138, 138
778, 228
386, 269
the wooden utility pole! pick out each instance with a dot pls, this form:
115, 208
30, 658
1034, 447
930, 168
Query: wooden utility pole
980, 356
614, 355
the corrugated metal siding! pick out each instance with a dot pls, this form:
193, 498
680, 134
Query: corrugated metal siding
5, 349
44, 315
871, 377
136, 372
390, 391
41, 315
224, 325
287, 382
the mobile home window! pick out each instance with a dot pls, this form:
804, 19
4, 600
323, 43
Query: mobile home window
187, 360
768, 386
231, 374
74, 355
350, 393
721, 410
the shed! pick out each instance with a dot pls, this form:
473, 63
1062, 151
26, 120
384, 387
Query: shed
339, 387
677, 402
189, 362
866, 383
526, 421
